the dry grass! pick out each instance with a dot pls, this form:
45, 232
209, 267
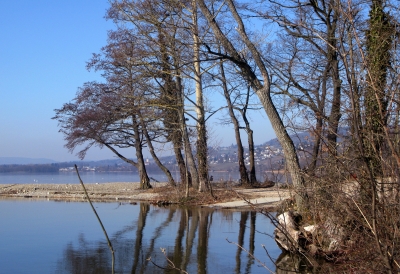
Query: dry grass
177, 195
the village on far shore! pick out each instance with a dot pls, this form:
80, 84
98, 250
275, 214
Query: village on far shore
267, 156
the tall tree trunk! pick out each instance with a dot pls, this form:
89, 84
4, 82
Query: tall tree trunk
379, 43
194, 177
250, 140
201, 122
171, 100
318, 132
262, 90
333, 63
244, 179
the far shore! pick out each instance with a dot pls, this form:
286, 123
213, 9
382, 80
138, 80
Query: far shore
225, 196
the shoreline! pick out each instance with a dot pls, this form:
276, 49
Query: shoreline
228, 197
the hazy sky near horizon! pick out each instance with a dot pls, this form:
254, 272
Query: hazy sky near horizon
43, 54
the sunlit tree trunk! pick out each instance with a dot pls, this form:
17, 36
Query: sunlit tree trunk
201, 122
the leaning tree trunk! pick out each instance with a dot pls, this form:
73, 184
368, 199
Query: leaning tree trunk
262, 90
166, 171
144, 179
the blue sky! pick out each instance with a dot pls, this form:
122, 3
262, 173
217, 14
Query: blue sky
43, 53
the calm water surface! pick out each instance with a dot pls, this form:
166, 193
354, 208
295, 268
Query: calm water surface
105, 177
72, 178
65, 237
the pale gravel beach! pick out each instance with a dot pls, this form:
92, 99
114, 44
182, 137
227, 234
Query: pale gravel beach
130, 192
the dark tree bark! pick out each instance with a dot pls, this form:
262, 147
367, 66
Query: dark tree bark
250, 140
242, 229
141, 223
202, 247
166, 171
379, 43
240, 152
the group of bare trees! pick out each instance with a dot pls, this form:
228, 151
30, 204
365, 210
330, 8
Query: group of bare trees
158, 66
329, 67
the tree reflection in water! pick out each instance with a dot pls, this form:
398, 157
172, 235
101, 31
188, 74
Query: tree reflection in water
194, 239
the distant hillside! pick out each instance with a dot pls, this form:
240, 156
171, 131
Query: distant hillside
306, 138
24, 161
299, 138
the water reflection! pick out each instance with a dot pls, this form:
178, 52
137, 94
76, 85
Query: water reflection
288, 263
86, 258
194, 240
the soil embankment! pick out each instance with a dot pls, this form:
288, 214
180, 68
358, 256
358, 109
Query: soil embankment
232, 197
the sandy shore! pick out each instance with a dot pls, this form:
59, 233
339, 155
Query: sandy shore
130, 192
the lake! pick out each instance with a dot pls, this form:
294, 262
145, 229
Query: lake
40, 236
105, 177
72, 178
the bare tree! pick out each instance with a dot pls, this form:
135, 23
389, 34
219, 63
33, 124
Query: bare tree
97, 118
261, 88
250, 140
240, 153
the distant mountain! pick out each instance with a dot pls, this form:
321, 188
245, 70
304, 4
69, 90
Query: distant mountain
24, 161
